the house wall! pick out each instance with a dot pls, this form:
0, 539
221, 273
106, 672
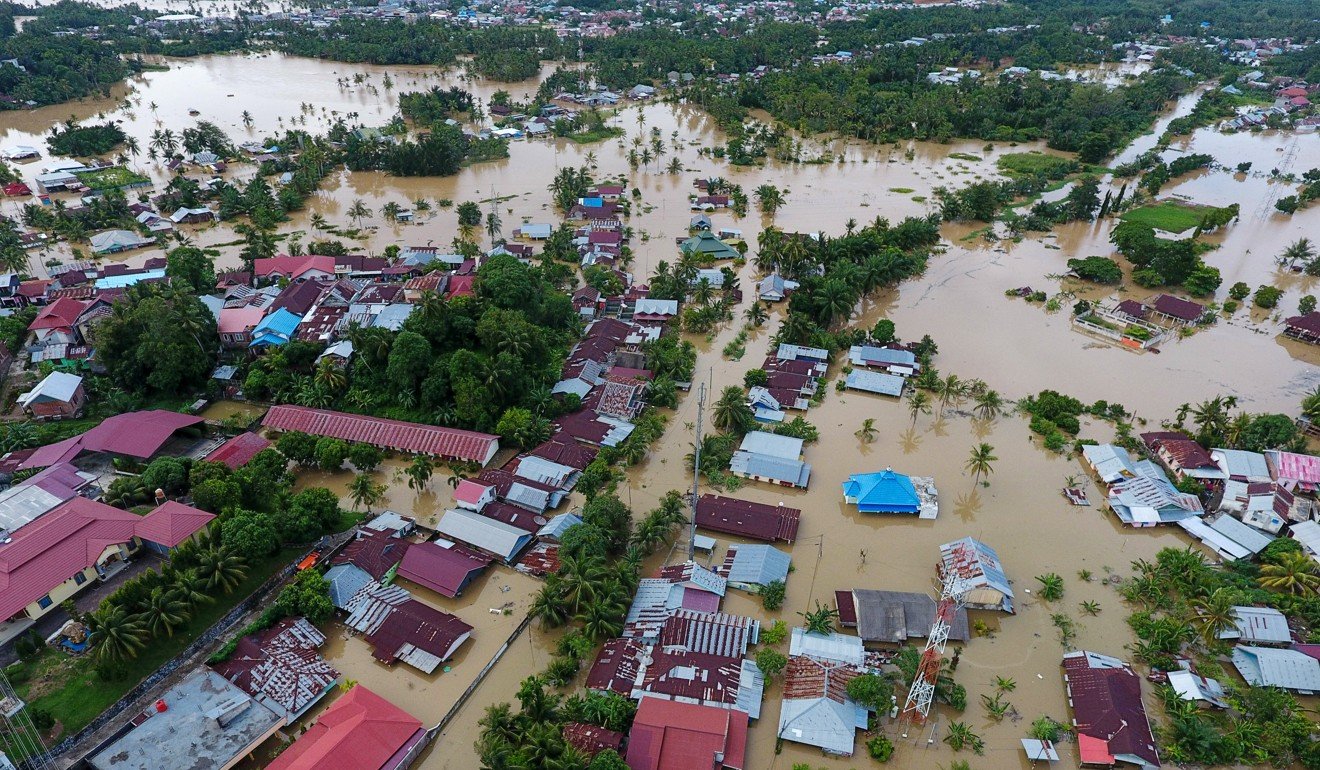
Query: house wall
72, 586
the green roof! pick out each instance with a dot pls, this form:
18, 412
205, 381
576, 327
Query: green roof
706, 244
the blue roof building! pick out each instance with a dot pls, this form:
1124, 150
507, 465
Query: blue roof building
883, 492
275, 329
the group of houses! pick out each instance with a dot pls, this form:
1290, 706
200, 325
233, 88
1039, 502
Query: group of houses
793, 375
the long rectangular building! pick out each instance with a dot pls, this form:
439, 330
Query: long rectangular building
395, 435
744, 518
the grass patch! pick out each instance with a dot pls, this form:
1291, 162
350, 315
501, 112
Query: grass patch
1033, 164
1169, 216
919, 198
965, 156
111, 178
69, 688
901, 190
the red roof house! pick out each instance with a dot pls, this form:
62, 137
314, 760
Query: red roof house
57, 320
1177, 308
361, 730
747, 519
395, 435
139, 435
591, 739
172, 523
71, 541
670, 735
461, 286
237, 451
294, 268
1108, 714
419, 635
281, 668
446, 571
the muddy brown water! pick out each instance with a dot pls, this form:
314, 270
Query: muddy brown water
1016, 347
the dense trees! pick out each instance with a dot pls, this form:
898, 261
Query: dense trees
157, 340
80, 141
57, 69
427, 108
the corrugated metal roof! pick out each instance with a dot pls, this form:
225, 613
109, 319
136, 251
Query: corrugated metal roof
489, 535
793, 472
1111, 463
756, 564
876, 382
772, 445
387, 434
1259, 625
978, 565
1269, 667
836, 647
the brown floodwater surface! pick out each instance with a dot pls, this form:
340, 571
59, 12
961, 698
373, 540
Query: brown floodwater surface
1016, 347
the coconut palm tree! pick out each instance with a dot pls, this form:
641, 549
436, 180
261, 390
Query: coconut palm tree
365, 492
989, 405
981, 460
116, 635
191, 588
951, 389
247, 119
1213, 614
1090, 608
731, 413
221, 568
164, 611
867, 432
769, 199
960, 736
419, 472
551, 606
757, 315
1299, 251
918, 403
358, 211
1292, 572
390, 211
603, 619
1311, 406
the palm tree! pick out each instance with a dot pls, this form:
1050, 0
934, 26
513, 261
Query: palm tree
980, 461
1298, 252
391, 211
867, 432
732, 414
1214, 614
951, 389
358, 210
247, 119
989, 405
757, 316
318, 222
918, 403
493, 225
833, 302
365, 492
419, 472
960, 736
191, 588
163, 611
551, 606
1311, 406
769, 199
1292, 572
116, 634
329, 376
221, 568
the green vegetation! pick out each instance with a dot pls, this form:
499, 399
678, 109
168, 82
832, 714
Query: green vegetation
112, 177
1097, 270
427, 108
78, 141
1169, 216
1035, 164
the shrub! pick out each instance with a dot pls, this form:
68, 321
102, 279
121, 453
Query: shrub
772, 595
1239, 291
1267, 297
880, 748
1097, 269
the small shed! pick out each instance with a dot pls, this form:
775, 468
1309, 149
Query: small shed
750, 566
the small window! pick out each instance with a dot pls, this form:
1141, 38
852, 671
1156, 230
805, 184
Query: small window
79, 578
44, 602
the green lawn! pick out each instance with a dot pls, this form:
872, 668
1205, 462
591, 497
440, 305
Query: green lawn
1169, 216
69, 688
598, 135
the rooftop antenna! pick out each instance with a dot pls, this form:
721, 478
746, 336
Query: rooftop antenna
696, 473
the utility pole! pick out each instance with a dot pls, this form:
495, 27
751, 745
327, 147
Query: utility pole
696, 473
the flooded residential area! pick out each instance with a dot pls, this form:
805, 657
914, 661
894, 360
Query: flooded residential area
915, 399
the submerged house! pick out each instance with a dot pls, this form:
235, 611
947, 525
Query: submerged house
771, 458
280, 667
1271, 667
894, 617
883, 492
1109, 716
977, 566
816, 708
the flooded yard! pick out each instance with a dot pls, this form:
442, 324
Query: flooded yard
1016, 347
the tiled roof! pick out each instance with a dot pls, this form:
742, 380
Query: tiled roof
237, 451
361, 730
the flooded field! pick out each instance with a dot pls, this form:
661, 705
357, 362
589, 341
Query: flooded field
1017, 348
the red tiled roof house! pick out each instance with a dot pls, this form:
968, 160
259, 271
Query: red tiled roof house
361, 730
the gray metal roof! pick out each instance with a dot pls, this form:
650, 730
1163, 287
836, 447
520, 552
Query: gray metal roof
794, 472
836, 647
23, 504
1269, 667
896, 616
1247, 536
757, 564
56, 386
773, 445
345, 581
485, 533
1259, 625
821, 722
868, 355
1111, 463
876, 382
208, 724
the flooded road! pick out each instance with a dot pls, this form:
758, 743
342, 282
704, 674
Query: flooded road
1017, 348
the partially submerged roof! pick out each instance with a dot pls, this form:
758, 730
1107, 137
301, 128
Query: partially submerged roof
1108, 712
360, 730
494, 537
896, 616
757, 521
1270, 667
755, 564
883, 492
447, 571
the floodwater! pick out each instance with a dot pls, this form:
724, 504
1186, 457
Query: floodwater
1016, 347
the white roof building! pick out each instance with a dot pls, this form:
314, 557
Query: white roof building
495, 537
57, 386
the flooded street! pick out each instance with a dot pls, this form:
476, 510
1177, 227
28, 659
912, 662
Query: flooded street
1016, 347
